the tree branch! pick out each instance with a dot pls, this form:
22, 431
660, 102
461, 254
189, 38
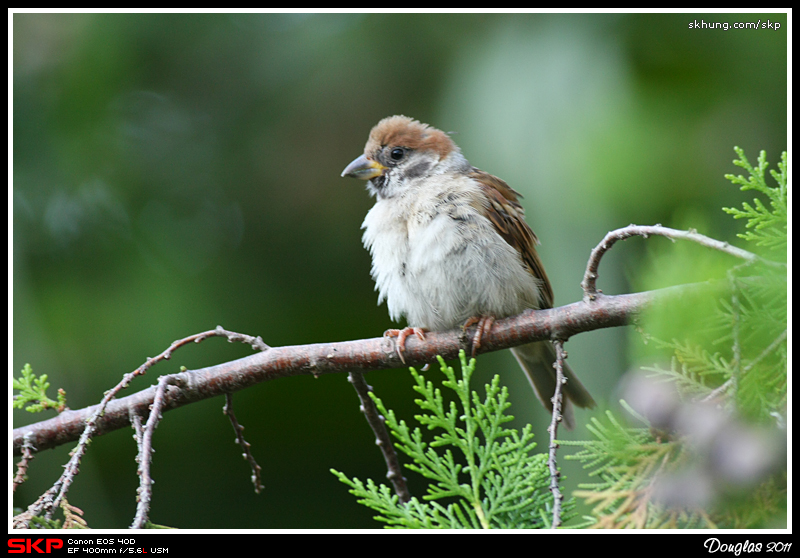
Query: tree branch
382, 439
555, 475
327, 358
589, 283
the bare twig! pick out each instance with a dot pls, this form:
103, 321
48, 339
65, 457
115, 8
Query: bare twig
136, 423
145, 491
255, 468
589, 283
553, 430
90, 421
382, 438
28, 453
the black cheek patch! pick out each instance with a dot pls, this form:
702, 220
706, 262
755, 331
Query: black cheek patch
418, 170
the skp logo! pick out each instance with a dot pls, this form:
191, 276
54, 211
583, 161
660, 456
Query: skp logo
31, 546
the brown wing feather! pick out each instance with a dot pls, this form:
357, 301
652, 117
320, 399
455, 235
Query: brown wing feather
508, 217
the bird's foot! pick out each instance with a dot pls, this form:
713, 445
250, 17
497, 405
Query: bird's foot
402, 334
485, 324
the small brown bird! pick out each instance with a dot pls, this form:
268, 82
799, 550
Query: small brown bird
450, 246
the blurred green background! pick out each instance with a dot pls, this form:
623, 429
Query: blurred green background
176, 172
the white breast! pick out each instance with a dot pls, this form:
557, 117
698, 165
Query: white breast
437, 261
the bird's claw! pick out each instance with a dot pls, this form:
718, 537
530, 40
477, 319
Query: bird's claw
402, 334
485, 324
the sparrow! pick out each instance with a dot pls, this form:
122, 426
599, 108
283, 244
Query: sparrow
450, 246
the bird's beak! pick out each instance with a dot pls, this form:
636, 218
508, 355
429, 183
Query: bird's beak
363, 168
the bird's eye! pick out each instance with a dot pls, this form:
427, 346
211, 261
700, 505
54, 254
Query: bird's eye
397, 153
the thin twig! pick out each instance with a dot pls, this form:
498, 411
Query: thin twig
553, 429
89, 421
589, 283
382, 438
145, 490
138, 436
255, 468
28, 453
